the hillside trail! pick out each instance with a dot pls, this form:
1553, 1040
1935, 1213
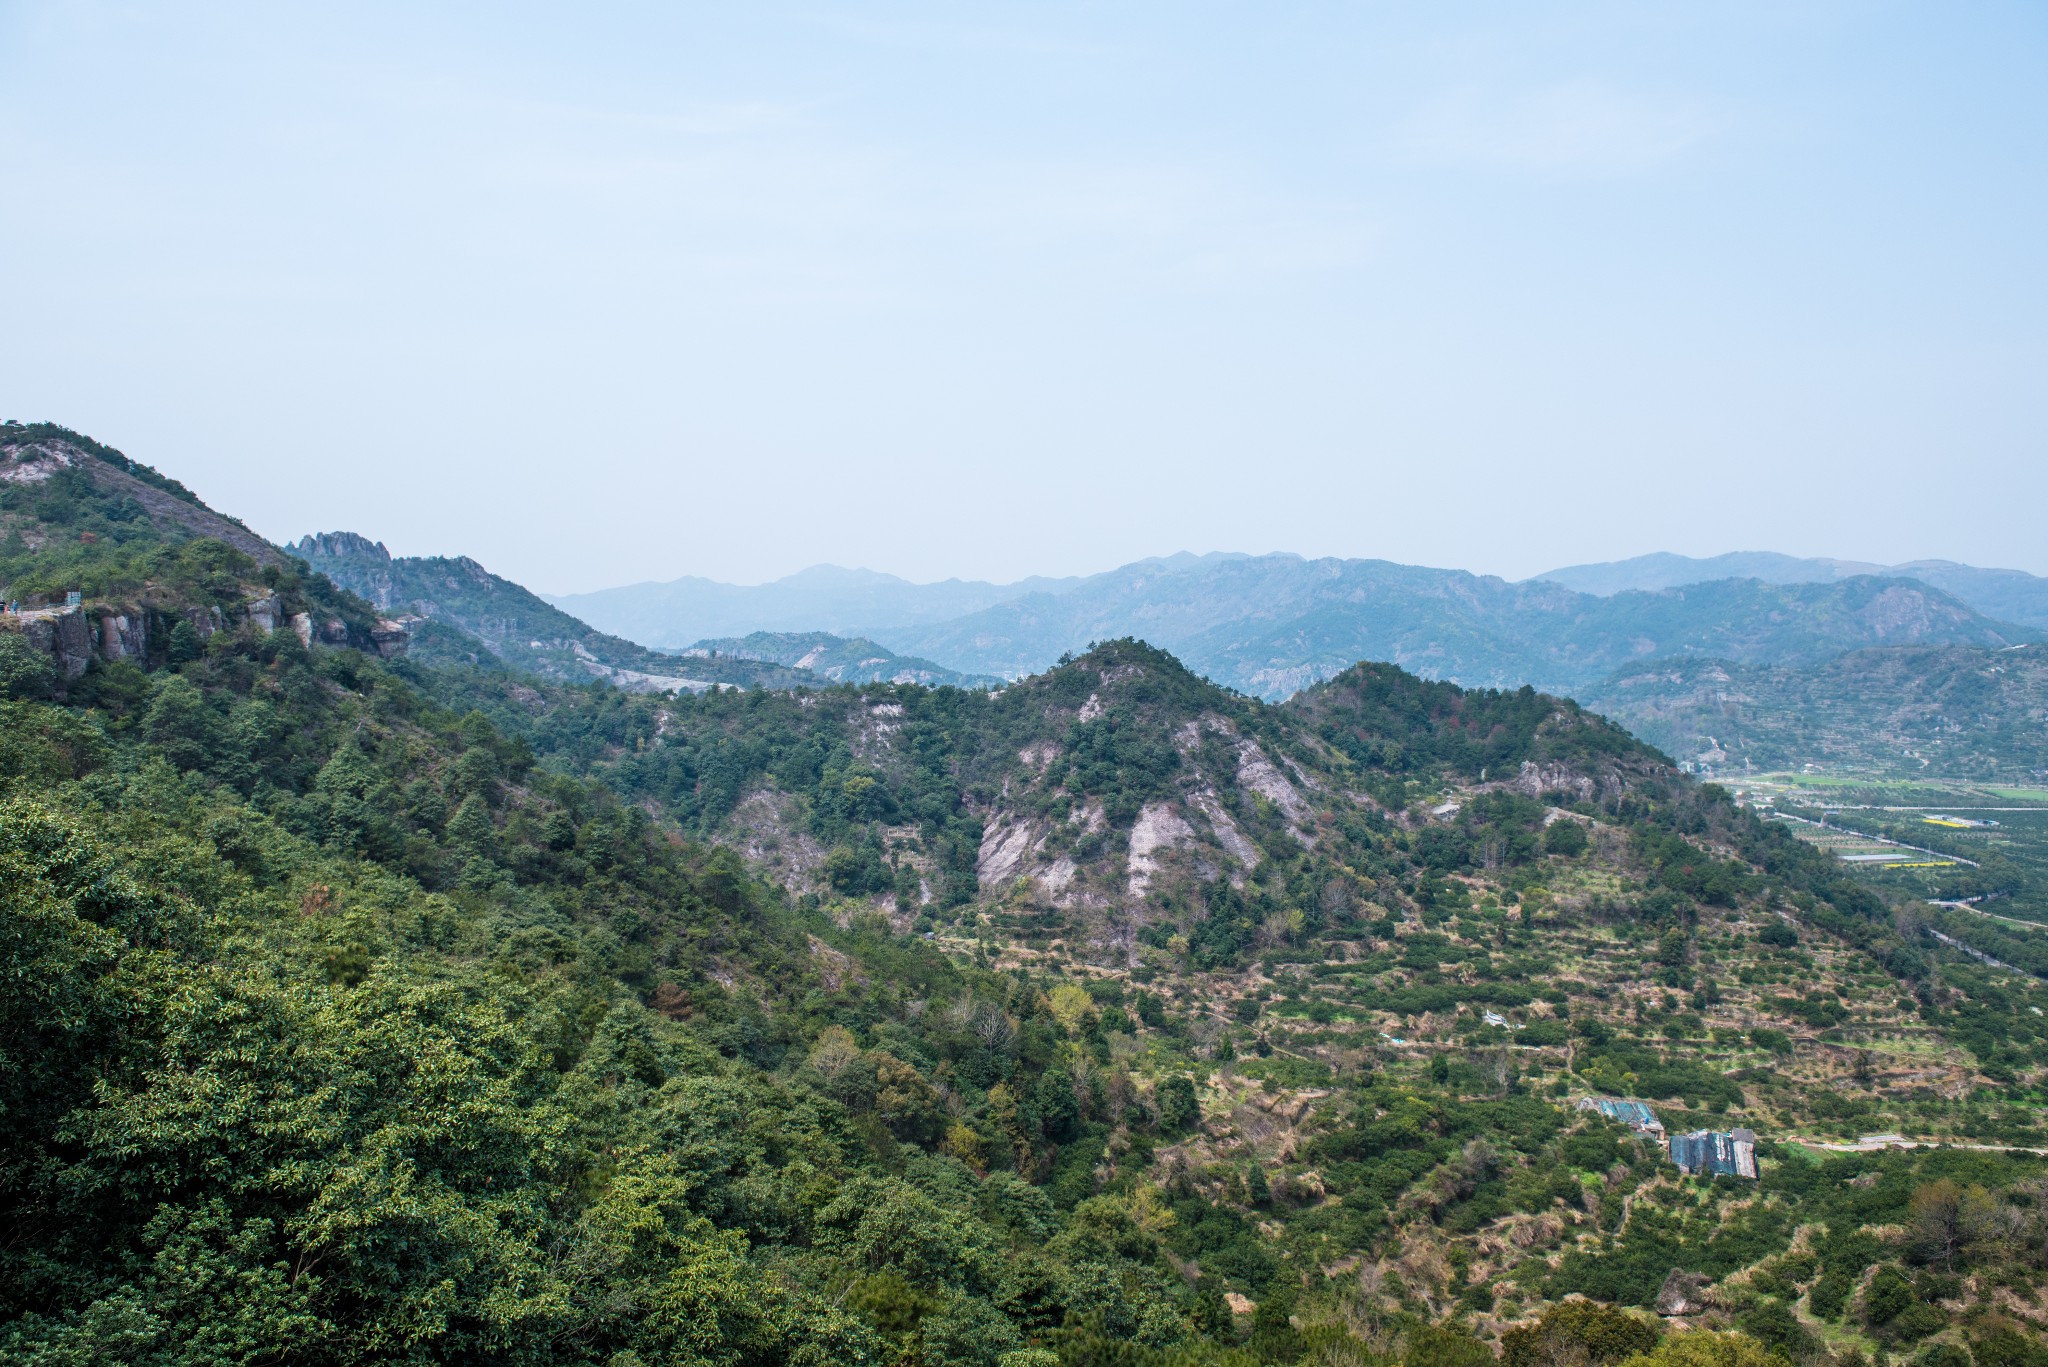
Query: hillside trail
1880, 1145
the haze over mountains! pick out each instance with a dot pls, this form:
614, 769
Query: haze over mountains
1270, 625
680, 613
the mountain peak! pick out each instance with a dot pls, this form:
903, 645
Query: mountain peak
338, 546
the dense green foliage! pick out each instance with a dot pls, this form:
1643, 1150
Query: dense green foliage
336, 1023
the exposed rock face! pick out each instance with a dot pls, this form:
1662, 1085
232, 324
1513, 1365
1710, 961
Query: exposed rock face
1004, 850
1158, 827
1227, 833
1535, 780
63, 634
1259, 774
768, 826
123, 637
351, 544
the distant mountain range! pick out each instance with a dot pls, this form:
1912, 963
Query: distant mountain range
678, 614
1270, 625
2004, 595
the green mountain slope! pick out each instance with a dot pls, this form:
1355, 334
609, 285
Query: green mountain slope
73, 487
369, 1010
158, 575
516, 625
1494, 891
1932, 711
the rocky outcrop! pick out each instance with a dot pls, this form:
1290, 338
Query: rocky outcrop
1535, 780
353, 561
390, 637
336, 545
205, 621
263, 613
1226, 830
73, 635
1258, 774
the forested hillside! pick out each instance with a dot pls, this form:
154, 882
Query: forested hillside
1938, 711
367, 1008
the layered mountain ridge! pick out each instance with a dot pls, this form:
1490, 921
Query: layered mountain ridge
1272, 624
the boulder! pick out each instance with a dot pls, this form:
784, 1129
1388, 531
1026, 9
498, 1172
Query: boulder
1683, 1293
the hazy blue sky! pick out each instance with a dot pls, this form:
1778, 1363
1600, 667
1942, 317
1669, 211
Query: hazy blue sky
603, 292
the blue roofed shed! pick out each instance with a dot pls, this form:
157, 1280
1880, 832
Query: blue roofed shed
1634, 1114
1721, 1153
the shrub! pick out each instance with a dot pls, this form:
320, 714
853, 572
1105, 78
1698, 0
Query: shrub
1578, 1331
